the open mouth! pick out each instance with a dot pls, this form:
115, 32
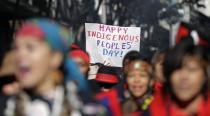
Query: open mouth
137, 88
23, 70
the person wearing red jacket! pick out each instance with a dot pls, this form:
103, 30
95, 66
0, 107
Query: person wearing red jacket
107, 79
185, 91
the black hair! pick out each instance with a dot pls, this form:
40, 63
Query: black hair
106, 85
132, 55
174, 60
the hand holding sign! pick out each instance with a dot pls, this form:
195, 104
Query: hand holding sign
110, 43
106, 63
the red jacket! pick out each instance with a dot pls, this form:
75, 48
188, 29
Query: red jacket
161, 103
113, 101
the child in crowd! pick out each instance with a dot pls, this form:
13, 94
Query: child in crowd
140, 84
50, 81
106, 78
157, 65
186, 91
81, 58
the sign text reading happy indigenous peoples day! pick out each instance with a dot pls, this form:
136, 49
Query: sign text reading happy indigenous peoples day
106, 43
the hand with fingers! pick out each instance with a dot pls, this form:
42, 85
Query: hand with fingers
106, 63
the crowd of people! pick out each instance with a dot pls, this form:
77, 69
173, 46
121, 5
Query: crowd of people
54, 77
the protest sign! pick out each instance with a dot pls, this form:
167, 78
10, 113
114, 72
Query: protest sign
107, 43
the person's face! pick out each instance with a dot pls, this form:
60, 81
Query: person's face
187, 82
83, 66
138, 78
32, 59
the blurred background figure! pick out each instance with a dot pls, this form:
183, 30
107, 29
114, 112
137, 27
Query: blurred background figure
108, 94
186, 88
139, 83
81, 58
157, 65
106, 78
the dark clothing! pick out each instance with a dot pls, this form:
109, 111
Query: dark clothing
3, 99
93, 86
